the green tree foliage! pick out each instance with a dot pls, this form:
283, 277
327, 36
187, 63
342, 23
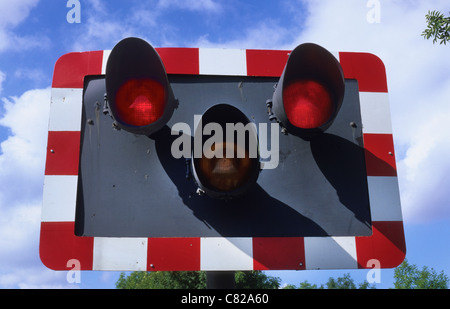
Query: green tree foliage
409, 276
344, 282
192, 280
406, 276
162, 280
305, 285
438, 27
256, 280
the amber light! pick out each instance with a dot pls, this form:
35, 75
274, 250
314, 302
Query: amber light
225, 174
308, 104
140, 102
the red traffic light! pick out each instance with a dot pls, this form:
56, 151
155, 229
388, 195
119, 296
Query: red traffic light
139, 95
310, 90
307, 103
140, 102
228, 167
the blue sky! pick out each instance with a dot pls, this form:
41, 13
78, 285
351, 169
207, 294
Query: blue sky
35, 33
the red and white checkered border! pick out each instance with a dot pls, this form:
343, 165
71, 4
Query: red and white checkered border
58, 244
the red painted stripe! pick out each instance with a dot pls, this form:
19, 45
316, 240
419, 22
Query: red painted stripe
380, 155
266, 62
367, 68
70, 69
278, 253
58, 245
173, 254
63, 152
387, 245
180, 60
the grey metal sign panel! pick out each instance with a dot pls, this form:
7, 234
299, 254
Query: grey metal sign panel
131, 185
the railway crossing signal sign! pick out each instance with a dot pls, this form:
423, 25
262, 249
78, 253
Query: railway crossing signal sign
220, 159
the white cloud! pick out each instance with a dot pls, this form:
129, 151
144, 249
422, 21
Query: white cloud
191, 5
100, 32
2, 79
19, 226
265, 35
12, 14
35, 75
98, 6
34, 277
425, 168
22, 161
23, 153
102, 29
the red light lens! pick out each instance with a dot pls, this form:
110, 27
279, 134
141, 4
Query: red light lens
225, 174
140, 102
308, 104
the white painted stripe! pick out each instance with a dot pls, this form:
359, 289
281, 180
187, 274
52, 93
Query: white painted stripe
120, 254
226, 253
65, 109
384, 196
330, 253
106, 54
375, 113
59, 198
215, 61
336, 55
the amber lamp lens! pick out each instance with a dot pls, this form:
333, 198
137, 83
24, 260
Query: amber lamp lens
225, 174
